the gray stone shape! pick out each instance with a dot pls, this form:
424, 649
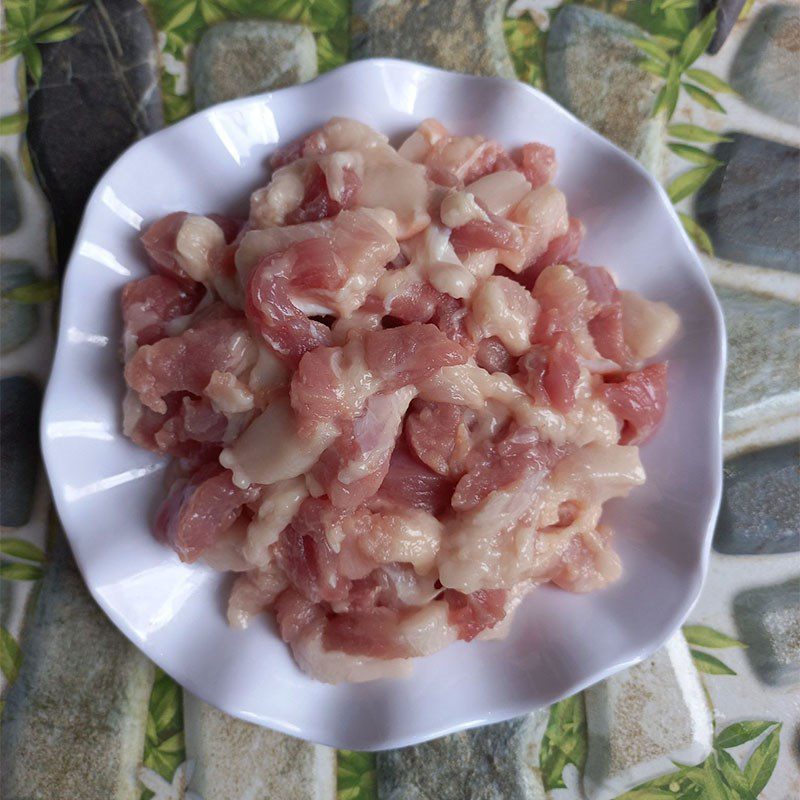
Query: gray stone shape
18, 321
751, 205
644, 718
10, 206
768, 620
74, 722
766, 69
235, 759
763, 348
592, 70
20, 399
760, 512
495, 762
234, 59
459, 35
98, 94
727, 14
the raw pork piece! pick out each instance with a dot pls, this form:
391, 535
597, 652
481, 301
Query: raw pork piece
395, 399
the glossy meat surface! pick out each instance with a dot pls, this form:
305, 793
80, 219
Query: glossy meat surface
395, 399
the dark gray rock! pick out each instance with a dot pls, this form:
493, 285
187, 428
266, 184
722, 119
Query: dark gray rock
10, 208
768, 619
490, 763
99, 93
592, 69
750, 206
763, 348
20, 399
460, 35
727, 13
234, 59
760, 511
18, 321
766, 69
74, 722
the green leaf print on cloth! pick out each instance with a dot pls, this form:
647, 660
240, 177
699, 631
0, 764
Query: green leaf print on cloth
30, 23
564, 741
164, 749
355, 776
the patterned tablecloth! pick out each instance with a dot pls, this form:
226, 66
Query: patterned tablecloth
707, 96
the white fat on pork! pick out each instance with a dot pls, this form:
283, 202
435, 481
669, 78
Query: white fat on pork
228, 394
197, 239
460, 207
502, 308
409, 536
269, 373
648, 325
271, 449
499, 192
475, 549
542, 216
279, 503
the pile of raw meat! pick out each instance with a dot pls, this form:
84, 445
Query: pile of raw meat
395, 399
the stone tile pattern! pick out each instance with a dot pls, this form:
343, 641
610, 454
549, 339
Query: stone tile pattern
10, 206
235, 760
763, 338
460, 35
727, 14
99, 92
18, 321
760, 513
768, 618
496, 762
641, 719
20, 401
592, 69
766, 69
234, 59
74, 722
750, 206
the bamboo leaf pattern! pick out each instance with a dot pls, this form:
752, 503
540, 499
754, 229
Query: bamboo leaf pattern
707, 663
10, 655
741, 732
526, 46
761, 764
693, 154
698, 39
652, 49
709, 80
355, 776
694, 133
696, 234
17, 571
33, 22
703, 97
564, 741
19, 548
733, 777
164, 748
688, 183
703, 636
32, 293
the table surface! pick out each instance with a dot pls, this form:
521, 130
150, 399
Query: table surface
707, 98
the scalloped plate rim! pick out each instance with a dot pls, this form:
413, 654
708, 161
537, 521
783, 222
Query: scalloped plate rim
636, 653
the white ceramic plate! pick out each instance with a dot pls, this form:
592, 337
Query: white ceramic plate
106, 489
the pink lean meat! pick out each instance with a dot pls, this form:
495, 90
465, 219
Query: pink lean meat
395, 399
